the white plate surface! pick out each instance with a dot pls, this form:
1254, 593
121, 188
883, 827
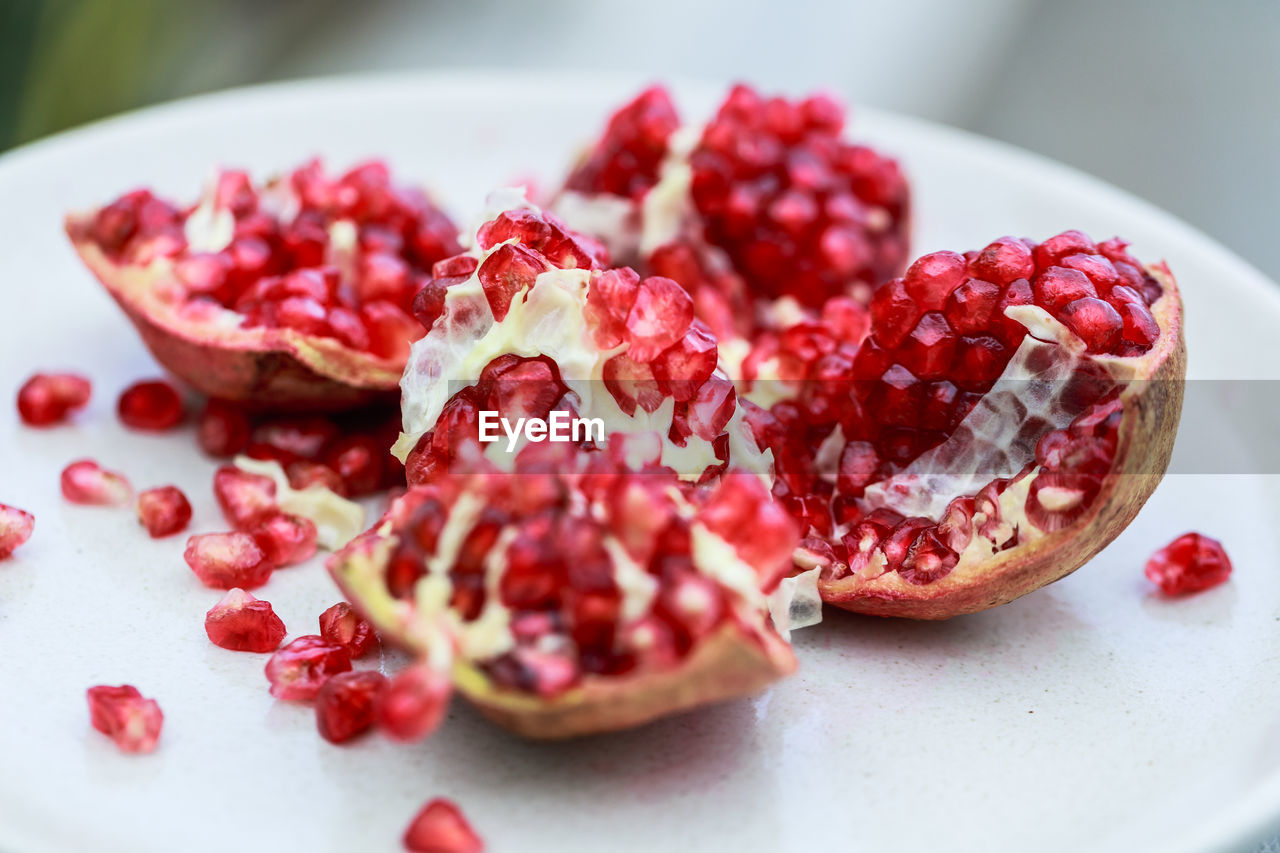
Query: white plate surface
1090, 715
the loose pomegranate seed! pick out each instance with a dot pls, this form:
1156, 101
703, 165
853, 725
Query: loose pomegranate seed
440, 827
342, 626
85, 482
122, 714
1190, 563
223, 429
164, 511
359, 461
414, 702
228, 560
345, 704
152, 405
46, 398
242, 623
246, 499
286, 539
16, 526
300, 669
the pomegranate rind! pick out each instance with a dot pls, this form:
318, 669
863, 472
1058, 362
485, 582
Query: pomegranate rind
269, 368
733, 661
1151, 407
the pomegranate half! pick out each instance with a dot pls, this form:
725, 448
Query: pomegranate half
290, 295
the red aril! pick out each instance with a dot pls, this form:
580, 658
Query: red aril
16, 527
342, 626
164, 511
47, 398
246, 499
124, 715
440, 827
414, 703
345, 704
301, 668
242, 623
222, 429
152, 405
1190, 563
286, 539
228, 560
86, 482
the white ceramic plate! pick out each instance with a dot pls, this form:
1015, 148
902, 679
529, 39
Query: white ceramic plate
1090, 715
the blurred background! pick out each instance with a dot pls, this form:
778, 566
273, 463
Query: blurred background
1177, 101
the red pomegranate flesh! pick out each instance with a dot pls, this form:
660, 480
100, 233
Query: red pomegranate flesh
288, 295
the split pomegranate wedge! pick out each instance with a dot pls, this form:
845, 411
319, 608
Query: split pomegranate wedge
291, 295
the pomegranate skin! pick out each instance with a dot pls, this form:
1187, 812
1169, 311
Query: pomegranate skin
1145, 438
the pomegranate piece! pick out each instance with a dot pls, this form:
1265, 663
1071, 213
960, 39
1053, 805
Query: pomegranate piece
16, 527
1190, 563
247, 500
320, 271
300, 669
532, 566
86, 482
152, 405
286, 539
242, 623
164, 511
994, 405
626, 160
414, 703
124, 715
228, 560
440, 827
342, 626
345, 704
47, 398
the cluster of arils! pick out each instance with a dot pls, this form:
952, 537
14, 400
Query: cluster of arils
296, 293
766, 211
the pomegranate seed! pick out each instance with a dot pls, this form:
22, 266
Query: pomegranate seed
302, 437
153, 405
304, 474
626, 160
345, 704
359, 461
440, 827
1094, 322
508, 271
223, 429
286, 539
342, 626
414, 702
242, 623
1057, 286
246, 499
301, 668
122, 714
392, 330
16, 526
46, 398
85, 482
659, 317
163, 511
228, 560
1190, 563
932, 278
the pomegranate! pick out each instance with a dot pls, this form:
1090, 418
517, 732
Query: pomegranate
530, 327
293, 294
242, 623
763, 212
164, 511
228, 560
152, 405
1190, 563
47, 398
86, 482
1005, 416
124, 715
345, 704
440, 827
576, 595
342, 626
300, 669
16, 527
